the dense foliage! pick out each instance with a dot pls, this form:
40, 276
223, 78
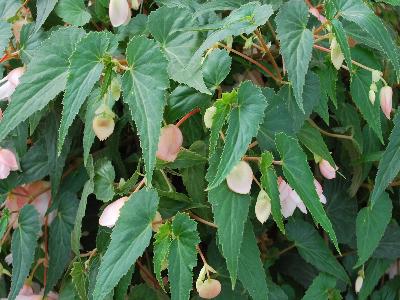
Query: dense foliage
189, 149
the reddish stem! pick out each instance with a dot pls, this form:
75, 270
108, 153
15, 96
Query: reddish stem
187, 116
322, 48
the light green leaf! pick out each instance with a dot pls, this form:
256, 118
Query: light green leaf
9, 8
23, 245
342, 40
297, 172
60, 238
104, 180
5, 35
130, 237
244, 120
182, 256
313, 249
269, 183
371, 225
391, 2
251, 272
185, 159
85, 70
45, 78
143, 88
73, 12
321, 287
30, 41
79, 278
296, 43
375, 270
389, 165
162, 246
216, 67
312, 139
5, 216
44, 8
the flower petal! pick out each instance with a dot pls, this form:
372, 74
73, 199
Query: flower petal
240, 178
110, 214
119, 12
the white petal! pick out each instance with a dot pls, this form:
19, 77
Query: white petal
263, 207
240, 178
110, 214
119, 12
6, 90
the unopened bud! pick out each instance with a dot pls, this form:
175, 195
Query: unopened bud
119, 12
170, 143
263, 207
110, 214
372, 96
209, 115
337, 56
207, 288
103, 126
359, 283
240, 178
327, 170
386, 96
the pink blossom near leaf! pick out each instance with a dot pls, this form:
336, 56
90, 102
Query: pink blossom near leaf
170, 143
10, 83
8, 163
262, 207
119, 12
111, 213
328, 171
239, 180
386, 96
206, 287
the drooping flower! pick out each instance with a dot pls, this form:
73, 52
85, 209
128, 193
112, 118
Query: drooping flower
119, 12
386, 96
8, 163
358, 284
209, 115
10, 83
111, 213
103, 123
372, 96
337, 56
327, 170
263, 207
170, 143
206, 287
240, 178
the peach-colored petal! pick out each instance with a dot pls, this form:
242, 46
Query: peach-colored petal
119, 12
327, 170
110, 214
386, 96
318, 188
240, 178
170, 142
103, 126
210, 289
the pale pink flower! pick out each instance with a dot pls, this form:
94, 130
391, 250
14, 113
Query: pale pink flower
10, 83
27, 293
386, 96
326, 169
207, 288
8, 163
111, 213
318, 188
170, 143
119, 12
240, 178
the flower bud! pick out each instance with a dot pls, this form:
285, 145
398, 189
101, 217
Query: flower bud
209, 115
170, 143
326, 169
119, 12
263, 207
110, 214
240, 178
103, 126
386, 95
8, 163
373, 87
207, 288
319, 190
359, 283
157, 222
371, 96
337, 56
376, 75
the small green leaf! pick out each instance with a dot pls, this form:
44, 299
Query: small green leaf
162, 246
182, 256
216, 67
79, 278
5, 216
73, 12
5, 35
313, 249
44, 8
370, 227
130, 237
104, 180
143, 88
321, 287
23, 245
9, 8
299, 176
296, 43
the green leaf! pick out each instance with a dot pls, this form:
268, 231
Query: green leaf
23, 245
230, 214
162, 246
5, 216
313, 249
73, 12
45, 78
371, 225
165, 24
44, 8
60, 238
244, 121
357, 12
216, 67
269, 183
389, 246
321, 287
143, 88
5, 34
299, 176
389, 165
120, 291
30, 41
182, 256
251, 272
296, 43
79, 278
9, 8
85, 70
375, 270
342, 40
130, 237
359, 87
104, 180
312, 139
185, 159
